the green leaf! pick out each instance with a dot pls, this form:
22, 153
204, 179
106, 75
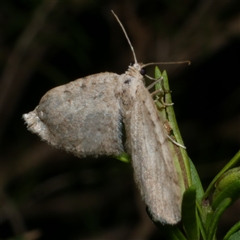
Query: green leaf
233, 233
226, 179
200, 224
171, 232
124, 157
214, 218
189, 211
235, 236
231, 191
229, 165
196, 182
180, 156
199, 194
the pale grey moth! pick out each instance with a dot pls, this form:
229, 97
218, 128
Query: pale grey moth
85, 117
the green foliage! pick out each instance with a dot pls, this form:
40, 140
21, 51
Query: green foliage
201, 211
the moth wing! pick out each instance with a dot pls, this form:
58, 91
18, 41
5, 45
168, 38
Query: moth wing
153, 165
82, 117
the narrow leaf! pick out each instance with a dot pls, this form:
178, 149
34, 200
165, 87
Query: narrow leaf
231, 191
196, 182
180, 156
189, 211
233, 232
124, 157
212, 226
229, 165
171, 232
235, 236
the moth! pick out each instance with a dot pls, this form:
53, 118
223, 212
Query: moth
87, 117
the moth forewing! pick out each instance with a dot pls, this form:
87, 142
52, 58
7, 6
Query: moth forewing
152, 162
82, 117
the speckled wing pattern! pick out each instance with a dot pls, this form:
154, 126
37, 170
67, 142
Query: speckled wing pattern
148, 145
82, 117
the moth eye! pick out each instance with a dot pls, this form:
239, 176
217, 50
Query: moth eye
143, 71
131, 63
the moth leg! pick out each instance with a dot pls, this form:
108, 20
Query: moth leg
164, 103
157, 92
169, 132
159, 80
161, 92
175, 142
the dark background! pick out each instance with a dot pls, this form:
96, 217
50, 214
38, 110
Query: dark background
49, 194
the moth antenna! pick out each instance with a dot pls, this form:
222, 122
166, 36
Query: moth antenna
125, 33
156, 63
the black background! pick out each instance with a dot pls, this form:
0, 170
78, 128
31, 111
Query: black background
49, 194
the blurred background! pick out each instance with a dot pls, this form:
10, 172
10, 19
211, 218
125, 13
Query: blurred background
49, 194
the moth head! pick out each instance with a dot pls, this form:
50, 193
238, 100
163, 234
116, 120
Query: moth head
140, 67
